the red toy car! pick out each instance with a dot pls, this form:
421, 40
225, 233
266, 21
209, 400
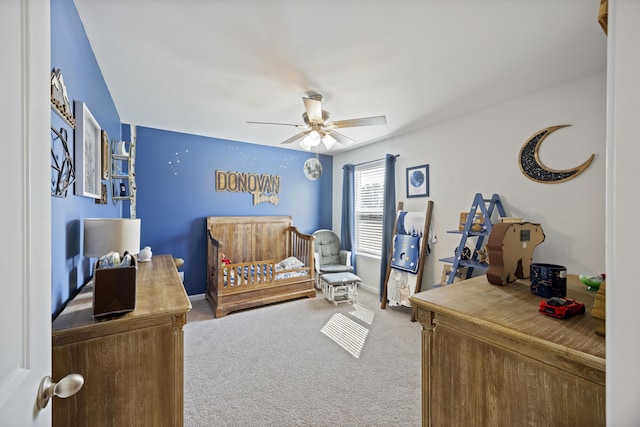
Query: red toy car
561, 308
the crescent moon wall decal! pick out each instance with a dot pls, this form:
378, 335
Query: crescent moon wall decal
532, 167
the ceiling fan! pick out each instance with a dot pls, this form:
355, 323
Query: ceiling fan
320, 129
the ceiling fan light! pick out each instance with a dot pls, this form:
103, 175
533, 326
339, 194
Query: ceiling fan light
305, 143
328, 141
314, 138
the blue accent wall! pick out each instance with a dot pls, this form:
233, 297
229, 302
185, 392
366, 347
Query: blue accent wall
72, 53
176, 191
175, 174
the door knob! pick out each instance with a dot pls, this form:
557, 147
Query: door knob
66, 387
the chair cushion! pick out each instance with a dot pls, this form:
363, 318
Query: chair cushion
335, 268
340, 278
327, 245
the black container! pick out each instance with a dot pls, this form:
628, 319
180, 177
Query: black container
549, 280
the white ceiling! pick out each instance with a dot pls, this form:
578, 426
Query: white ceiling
206, 67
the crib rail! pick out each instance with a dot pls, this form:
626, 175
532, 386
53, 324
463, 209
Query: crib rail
241, 274
301, 247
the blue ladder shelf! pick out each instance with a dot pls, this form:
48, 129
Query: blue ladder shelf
486, 207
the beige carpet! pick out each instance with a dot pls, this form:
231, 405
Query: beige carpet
303, 363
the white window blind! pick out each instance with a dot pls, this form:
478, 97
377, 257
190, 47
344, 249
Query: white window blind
369, 200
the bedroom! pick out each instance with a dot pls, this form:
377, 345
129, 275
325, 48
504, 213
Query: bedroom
174, 203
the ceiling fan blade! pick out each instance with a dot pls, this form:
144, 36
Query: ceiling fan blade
341, 138
364, 121
282, 124
314, 109
296, 137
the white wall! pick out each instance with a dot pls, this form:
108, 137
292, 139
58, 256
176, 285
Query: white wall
478, 153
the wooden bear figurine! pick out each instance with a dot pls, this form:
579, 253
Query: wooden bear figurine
510, 248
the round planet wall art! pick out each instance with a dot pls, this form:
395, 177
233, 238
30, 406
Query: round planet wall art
418, 181
312, 168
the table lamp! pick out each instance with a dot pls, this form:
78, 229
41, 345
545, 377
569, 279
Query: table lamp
114, 289
104, 235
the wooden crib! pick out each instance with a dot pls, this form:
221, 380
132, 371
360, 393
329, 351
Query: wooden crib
269, 261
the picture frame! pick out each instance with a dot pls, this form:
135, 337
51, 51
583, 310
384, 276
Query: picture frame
103, 196
106, 154
87, 147
418, 181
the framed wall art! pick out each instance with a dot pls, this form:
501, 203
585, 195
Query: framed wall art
106, 155
88, 147
418, 181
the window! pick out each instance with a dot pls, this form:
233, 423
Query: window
369, 202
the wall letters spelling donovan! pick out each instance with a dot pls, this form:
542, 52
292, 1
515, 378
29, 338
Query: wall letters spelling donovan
264, 188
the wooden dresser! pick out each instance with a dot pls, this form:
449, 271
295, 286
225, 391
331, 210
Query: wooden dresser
489, 358
132, 365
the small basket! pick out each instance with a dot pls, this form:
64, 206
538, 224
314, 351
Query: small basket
549, 280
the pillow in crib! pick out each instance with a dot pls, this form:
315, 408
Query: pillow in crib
290, 263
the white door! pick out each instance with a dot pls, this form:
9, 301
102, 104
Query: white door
25, 219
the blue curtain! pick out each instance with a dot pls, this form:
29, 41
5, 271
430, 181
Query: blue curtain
348, 228
388, 215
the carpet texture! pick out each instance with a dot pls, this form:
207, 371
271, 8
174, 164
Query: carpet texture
279, 366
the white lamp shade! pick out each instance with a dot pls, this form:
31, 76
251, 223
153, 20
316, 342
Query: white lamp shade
305, 144
104, 235
329, 141
314, 138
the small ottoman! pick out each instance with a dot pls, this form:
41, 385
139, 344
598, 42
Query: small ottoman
340, 287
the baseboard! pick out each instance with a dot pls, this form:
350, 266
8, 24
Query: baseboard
361, 286
368, 288
196, 297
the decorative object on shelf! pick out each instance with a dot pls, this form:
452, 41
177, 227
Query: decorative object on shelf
103, 195
549, 280
603, 15
121, 148
59, 99
511, 219
312, 168
511, 247
106, 154
478, 222
145, 254
63, 174
599, 311
592, 282
418, 181
482, 255
532, 167
87, 152
459, 275
466, 252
